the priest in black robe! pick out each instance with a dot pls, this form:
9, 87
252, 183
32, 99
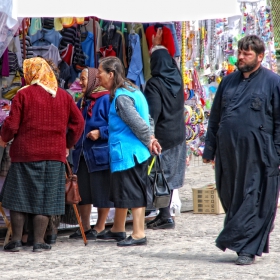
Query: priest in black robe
243, 138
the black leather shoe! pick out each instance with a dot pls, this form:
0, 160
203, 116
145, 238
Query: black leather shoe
164, 224
51, 239
150, 223
129, 241
245, 259
107, 235
13, 246
39, 247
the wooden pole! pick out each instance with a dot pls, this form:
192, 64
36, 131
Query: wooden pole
23, 39
94, 43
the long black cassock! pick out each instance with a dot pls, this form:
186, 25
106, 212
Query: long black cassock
244, 138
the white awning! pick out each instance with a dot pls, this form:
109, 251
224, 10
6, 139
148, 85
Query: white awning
130, 10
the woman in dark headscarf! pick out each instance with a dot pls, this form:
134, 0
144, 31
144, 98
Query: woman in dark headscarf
91, 154
165, 95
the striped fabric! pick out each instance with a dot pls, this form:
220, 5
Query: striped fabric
70, 36
35, 187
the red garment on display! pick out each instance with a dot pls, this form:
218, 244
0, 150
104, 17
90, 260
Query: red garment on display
167, 38
107, 51
67, 54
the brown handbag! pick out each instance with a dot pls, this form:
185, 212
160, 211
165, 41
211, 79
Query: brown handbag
72, 195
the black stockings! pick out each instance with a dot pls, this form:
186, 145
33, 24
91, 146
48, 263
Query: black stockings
17, 222
40, 224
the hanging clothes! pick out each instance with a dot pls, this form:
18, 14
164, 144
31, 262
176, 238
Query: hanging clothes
66, 22
171, 26
71, 36
139, 29
67, 54
167, 38
113, 38
46, 37
97, 33
88, 49
135, 70
48, 52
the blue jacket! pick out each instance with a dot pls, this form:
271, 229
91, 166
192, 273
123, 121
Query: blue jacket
123, 143
135, 70
96, 153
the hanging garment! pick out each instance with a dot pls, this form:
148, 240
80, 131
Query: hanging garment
46, 37
138, 29
167, 38
35, 26
66, 22
113, 38
107, 51
98, 32
67, 54
88, 49
48, 52
135, 70
5, 64
71, 36
171, 26
28, 50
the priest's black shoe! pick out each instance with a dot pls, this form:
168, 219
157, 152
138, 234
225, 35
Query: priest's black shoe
245, 259
118, 236
129, 241
163, 224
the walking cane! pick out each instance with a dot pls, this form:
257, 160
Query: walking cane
80, 223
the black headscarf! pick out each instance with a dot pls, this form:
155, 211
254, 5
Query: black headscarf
165, 68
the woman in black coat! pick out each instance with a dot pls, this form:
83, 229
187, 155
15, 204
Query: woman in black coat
165, 95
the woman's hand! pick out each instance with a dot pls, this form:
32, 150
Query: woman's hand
67, 152
154, 146
93, 135
2, 143
156, 40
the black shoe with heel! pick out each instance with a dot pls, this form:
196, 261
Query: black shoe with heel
118, 236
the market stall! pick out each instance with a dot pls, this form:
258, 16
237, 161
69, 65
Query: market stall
201, 35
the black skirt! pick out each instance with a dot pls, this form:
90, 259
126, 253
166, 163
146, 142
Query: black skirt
94, 187
35, 187
128, 187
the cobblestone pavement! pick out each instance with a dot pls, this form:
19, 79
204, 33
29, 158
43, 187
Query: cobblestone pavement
187, 252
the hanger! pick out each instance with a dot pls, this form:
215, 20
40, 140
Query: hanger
132, 31
42, 39
85, 33
111, 26
158, 25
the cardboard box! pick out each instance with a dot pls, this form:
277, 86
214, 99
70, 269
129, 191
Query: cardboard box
206, 200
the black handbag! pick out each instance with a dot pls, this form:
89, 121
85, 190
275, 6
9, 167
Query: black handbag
161, 191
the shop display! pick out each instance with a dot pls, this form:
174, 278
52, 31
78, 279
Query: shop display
205, 51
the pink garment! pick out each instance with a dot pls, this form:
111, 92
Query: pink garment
76, 87
5, 64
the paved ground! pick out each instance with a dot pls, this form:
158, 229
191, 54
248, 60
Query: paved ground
187, 252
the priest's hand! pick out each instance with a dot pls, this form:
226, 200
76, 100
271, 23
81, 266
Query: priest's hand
205, 160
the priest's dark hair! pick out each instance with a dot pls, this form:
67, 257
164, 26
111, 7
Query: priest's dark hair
252, 42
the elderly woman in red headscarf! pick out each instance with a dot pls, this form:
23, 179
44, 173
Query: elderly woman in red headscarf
91, 154
44, 123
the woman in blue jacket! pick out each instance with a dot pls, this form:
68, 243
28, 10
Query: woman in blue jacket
130, 145
91, 154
